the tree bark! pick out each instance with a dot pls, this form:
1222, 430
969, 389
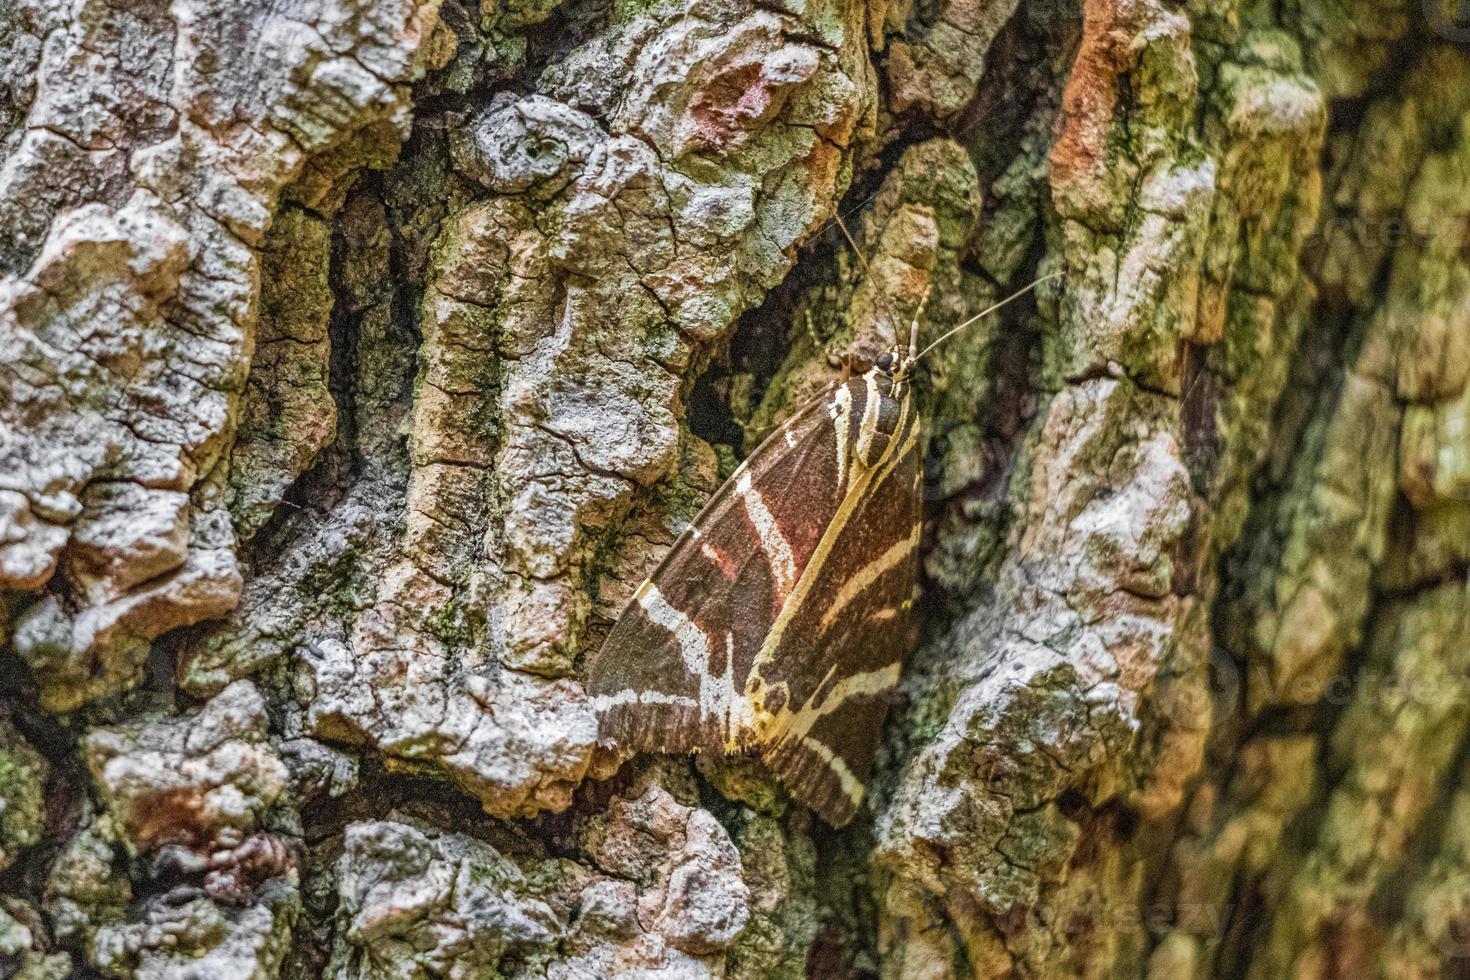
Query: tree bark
357, 360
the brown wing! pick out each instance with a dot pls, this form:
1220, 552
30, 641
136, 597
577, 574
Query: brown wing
676, 673
670, 674
830, 664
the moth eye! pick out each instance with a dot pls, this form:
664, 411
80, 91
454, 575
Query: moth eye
885, 362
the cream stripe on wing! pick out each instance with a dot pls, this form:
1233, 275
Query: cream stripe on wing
841, 419
605, 701
850, 785
692, 641
888, 612
867, 575
716, 693
897, 448
866, 684
773, 540
869, 423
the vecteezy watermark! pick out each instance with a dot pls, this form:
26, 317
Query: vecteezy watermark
1450, 19
1227, 688
1208, 920
1391, 231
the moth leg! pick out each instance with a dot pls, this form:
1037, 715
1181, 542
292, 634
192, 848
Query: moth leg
918, 315
811, 330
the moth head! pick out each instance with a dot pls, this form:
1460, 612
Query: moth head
897, 362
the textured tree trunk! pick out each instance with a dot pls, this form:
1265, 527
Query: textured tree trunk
357, 359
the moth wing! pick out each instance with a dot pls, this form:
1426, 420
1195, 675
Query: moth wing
672, 675
839, 653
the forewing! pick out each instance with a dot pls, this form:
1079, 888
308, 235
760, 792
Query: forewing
830, 672
672, 675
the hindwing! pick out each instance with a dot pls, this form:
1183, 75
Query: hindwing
777, 623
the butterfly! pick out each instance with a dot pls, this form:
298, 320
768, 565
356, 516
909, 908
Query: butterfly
778, 623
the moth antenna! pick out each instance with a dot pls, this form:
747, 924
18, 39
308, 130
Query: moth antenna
986, 312
862, 259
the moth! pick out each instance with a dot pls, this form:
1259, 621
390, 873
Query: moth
778, 623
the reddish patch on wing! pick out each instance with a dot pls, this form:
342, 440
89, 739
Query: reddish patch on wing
721, 559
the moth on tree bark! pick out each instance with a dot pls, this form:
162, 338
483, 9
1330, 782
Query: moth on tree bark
360, 360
